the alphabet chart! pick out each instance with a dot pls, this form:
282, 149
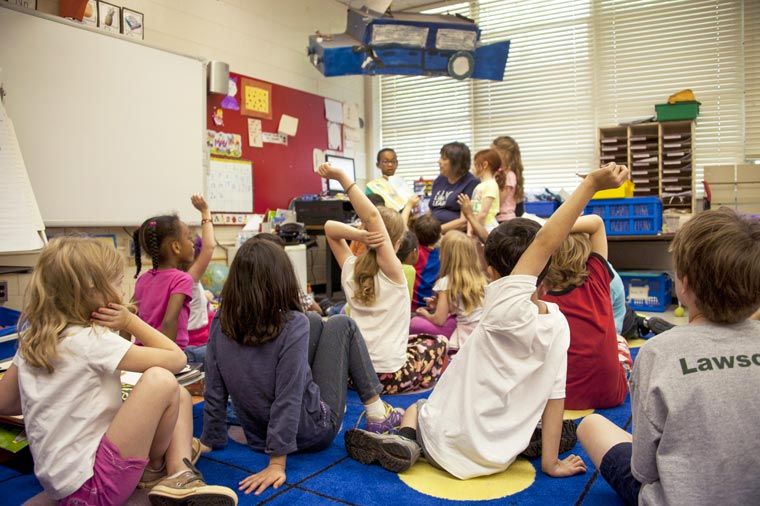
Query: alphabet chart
230, 186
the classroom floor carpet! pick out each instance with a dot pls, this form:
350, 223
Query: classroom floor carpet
330, 477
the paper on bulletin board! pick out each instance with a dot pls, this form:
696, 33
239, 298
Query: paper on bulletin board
351, 138
224, 144
254, 133
273, 138
288, 125
334, 136
351, 114
229, 186
333, 110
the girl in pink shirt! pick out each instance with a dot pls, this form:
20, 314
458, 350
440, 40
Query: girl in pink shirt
511, 194
163, 293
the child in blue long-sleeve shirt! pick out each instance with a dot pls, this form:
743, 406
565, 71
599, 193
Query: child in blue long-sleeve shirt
286, 372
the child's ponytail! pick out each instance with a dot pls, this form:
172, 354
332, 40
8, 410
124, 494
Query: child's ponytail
366, 267
137, 251
152, 234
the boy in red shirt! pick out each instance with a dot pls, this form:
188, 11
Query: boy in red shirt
579, 283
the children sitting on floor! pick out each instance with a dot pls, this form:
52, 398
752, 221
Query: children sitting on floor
286, 373
459, 292
377, 294
578, 281
88, 446
163, 293
428, 232
511, 373
694, 388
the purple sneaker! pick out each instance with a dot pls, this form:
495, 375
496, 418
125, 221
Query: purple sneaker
386, 424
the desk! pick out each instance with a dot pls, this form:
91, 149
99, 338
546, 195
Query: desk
332, 269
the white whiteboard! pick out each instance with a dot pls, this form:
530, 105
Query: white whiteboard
112, 131
230, 186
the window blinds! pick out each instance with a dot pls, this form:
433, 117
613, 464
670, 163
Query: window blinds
577, 65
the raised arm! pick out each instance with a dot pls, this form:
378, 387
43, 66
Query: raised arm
556, 229
593, 225
413, 202
200, 264
372, 221
338, 234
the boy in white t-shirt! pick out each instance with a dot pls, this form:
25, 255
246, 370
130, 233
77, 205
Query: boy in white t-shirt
512, 372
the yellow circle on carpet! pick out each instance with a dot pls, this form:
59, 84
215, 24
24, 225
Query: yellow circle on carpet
574, 414
428, 480
636, 343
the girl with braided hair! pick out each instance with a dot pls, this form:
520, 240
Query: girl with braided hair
164, 292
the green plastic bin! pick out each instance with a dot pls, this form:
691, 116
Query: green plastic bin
677, 112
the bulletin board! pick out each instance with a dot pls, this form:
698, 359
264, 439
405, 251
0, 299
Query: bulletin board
280, 171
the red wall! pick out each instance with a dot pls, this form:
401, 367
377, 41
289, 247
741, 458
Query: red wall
280, 172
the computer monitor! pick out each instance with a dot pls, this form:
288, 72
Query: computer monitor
344, 164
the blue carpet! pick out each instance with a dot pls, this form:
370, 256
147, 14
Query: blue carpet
330, 477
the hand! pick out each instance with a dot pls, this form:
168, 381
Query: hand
431, 302
423, 312
608, 176
465, 205
115, 317
328, 171
374, 240
199, 203
569, 466
273, 475
413, 201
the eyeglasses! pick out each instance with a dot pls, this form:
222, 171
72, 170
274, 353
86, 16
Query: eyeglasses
389, 162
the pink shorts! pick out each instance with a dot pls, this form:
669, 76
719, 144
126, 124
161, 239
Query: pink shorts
113, 481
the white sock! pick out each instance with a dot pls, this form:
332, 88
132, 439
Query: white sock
376, 410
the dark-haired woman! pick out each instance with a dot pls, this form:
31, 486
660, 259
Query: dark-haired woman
455, 179
286, 372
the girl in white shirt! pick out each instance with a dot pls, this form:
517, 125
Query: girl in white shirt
459, 290
89, 447
377, 293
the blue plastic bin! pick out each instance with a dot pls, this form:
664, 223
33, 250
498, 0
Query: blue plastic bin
629, 216
647, 290
542, 208
8, 320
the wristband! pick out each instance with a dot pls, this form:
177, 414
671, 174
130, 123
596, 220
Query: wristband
349, 187
205, 220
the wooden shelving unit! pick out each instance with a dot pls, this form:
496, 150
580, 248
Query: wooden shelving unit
660, 157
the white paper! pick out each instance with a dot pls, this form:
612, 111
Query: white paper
318, 158
273, 138
21, 224
288, 125
334, 134
351, 138
333, 110
351, 114
254, 133
254, 223
229, 186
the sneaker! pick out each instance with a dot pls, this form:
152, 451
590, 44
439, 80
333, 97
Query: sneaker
151, 477
188, 487
395, 453
387, 424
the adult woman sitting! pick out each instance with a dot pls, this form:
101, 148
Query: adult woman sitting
455, 179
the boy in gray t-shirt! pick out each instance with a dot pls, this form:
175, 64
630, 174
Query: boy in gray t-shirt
694, 391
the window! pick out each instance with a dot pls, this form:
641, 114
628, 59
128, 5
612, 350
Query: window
576, 65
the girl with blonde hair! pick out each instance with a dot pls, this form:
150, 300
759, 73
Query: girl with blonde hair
89, 446
377, 294
459, 290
